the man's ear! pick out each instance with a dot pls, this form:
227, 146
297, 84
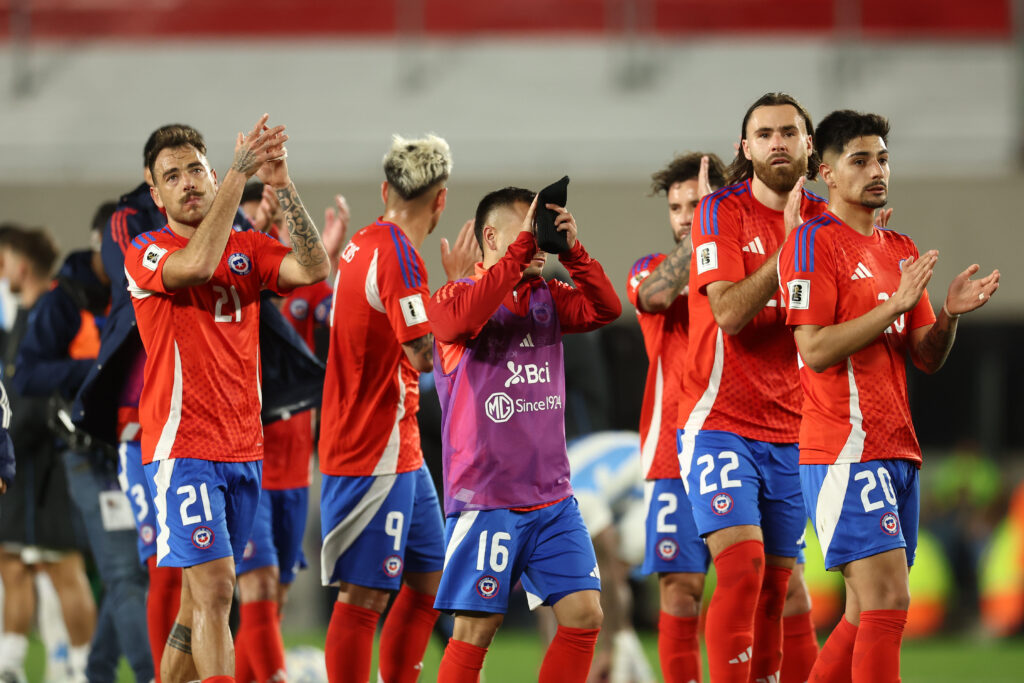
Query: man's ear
384, 192
147, 175
441, 200
745, 148
490, 235
156, 197
825, 173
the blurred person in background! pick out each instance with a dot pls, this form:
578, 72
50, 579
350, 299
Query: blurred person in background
41, 529
380, 518
58, 350
859, 308
739, 410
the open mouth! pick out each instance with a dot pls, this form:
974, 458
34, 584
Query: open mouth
779, 161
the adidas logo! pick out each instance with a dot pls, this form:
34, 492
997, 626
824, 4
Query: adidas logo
755, 246
773, 678
742, 657
861, 272
527, 341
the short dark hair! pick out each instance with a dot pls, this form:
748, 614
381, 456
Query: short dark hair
102, 216
252, 192
843, 125
506, 196
741, 167
36, 246
9, 232
171, 135
687, 167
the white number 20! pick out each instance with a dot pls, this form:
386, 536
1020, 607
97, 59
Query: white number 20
887, 488
499, 553
732, 462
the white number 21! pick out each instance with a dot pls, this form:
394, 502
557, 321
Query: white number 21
218, 313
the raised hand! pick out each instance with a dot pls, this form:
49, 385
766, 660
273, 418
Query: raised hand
256, 148
460, 261
336, 227
268, 210
792, 210
915, 277
966, 295
528, 225
703, 183
882, 217
564, 222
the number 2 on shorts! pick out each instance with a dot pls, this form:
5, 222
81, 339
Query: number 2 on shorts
731, 462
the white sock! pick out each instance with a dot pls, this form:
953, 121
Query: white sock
78, 658
13, 647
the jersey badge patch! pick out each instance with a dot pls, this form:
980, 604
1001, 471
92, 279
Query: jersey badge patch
799, 294
721, 504
202, 537
668, 549
152, 256
240, 263
487, 587
147, 533
393, 566
707, 257
299, 308
413, 310
890, 523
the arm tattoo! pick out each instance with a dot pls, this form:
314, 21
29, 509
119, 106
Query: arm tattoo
672, 274
180, 638
937, 343
306, 244
423, 346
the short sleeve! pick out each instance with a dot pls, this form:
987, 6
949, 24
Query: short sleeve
640, 271
268, 254
807, 277
717, 252
145, 260
402, 279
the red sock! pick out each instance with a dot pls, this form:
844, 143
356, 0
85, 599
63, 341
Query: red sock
678, 650
799, 648
219, 679
569, 655
259, 632
405, 635
461, 663
161, 607
767, 657
243, 667
835, 661
729, 630
349, 643
876, 654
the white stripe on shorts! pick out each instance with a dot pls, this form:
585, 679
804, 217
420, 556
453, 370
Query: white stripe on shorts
163, 483
339, 539
829, 506
462, 527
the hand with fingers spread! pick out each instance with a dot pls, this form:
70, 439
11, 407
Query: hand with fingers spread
703, 180
792, 215
914, 278
564, 222
966, 295
336, 227
461, 261
882, 217
259, 146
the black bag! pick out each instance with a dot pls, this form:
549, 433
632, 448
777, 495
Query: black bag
549, 239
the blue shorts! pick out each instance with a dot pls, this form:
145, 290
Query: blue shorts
204, 509
862, 509
133, 482
672, 543
276, 538
732, 481
376, 527
489, 550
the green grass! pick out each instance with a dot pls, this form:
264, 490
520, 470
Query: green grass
516, 655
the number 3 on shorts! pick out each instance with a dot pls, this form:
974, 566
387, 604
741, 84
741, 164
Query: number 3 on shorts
869, 485
729, 462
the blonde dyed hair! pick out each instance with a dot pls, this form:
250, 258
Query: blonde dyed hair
414, 166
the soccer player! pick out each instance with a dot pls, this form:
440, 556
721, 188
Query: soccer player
657, 288
195, 285
740, 402
859, 309
509, 505
379, 514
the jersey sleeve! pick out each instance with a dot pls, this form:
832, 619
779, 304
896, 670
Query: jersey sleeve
268, 254
807, 276
640, 271
402, 278
717, 252
144, 263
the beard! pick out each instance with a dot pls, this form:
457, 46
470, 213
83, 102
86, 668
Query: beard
873, 201
780, 178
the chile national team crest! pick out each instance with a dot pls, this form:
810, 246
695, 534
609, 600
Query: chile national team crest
249, 551
202, 537
487, 587
668, 549
393, 566
240, 263
146, 533
721, 504
890, 523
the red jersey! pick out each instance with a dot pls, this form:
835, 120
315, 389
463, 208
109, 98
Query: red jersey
856, 410
288, 444
371, 392
745, 383
201, 390
666, 339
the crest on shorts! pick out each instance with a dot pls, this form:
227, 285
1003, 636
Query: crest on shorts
249, 551
890, 523
393, 566
487, 587
147, 533
721, 504
202, 537
668, 549
240, 263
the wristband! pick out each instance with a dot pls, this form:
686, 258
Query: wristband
948, 314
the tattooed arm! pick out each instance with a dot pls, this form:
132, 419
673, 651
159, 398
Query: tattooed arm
420, 352
660, 289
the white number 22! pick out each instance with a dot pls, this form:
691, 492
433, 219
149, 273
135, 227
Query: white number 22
732, 462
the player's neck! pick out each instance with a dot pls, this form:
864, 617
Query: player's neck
775, 201
415, 224
859, 217
180, 229
31, 290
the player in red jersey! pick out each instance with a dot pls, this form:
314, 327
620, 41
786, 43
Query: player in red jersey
657, 288
739, 406
195, 286
380, 518
859, 308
